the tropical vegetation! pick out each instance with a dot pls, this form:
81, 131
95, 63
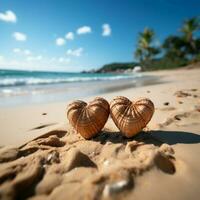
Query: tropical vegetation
175, 51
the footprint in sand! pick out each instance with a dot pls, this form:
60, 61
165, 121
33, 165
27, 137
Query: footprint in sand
50, 166
182, 94
165, 164
185, 93
166, 103
169, 108
43, 126
180, 119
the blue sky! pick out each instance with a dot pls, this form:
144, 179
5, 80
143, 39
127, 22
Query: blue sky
75, 35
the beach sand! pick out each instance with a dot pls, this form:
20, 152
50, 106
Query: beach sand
42, 157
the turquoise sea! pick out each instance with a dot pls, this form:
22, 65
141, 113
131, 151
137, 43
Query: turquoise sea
11, 78
25, 87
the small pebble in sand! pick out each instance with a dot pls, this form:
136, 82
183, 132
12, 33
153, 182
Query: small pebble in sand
166, 149
194, 90
180, 102
106, 163
114, 188
182, 94
177, 117
148, 91
53, 157
44, 113
166, 103
195, 96
132, 146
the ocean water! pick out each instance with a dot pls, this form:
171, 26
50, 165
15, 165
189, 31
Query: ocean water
9, 78
25, 87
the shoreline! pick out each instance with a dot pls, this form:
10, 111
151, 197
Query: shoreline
161, 161
41, 94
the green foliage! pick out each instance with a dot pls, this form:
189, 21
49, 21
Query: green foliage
174, 47
145, 48
165, 63
189, 28
117, 67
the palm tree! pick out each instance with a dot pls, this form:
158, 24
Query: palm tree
174, 47
189, 28
145, 48
139, 54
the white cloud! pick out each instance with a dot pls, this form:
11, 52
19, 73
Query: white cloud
63, 60
17, 50
20, 36
39, 57
14, 62
67, 60
8, 16
106, 30
34, 58
75, 52
1, 58
69, 36
60, 41
30, 58
37, 62
26, 52
59, 59
52, 59
84, 30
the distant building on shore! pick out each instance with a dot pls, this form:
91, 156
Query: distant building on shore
137, 69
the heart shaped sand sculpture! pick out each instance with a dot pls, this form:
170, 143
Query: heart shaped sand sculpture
131, 117
88, 119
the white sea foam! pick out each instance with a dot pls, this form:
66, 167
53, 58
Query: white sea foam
39, 81
7, 91
12, 92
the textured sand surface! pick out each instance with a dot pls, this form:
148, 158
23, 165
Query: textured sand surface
48, 160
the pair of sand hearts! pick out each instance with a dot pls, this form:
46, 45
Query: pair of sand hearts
130, 117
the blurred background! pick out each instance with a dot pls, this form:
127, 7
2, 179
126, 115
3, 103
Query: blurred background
78, 48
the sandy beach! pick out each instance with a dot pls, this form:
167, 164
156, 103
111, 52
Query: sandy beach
42, 157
